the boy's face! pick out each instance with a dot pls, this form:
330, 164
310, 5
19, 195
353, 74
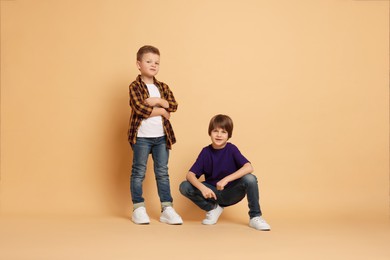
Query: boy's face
219, 138
149, 65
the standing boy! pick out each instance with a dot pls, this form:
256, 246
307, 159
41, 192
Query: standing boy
227, 175
150, 132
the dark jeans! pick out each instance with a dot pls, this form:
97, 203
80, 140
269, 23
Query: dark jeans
160, 154
247, 185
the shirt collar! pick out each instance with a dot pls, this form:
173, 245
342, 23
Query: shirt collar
155, 81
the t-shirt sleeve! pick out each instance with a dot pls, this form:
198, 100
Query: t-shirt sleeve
239, 159
198, 166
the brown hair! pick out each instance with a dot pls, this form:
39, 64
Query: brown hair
147, 49
221, 121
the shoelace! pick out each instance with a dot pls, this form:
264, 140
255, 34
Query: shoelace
171, 212
210, 214
259, 220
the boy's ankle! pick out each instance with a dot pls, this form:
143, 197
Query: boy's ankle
138, 205
165, 204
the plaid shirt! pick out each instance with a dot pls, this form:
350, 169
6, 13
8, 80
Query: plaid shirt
139, 110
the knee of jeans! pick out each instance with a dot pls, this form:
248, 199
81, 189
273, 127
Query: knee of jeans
161, 170
184, 187
250, 179
138, 169
138, 175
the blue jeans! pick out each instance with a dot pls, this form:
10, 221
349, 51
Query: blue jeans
247, 185
160, 154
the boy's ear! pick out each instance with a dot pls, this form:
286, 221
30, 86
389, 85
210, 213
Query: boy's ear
138, 64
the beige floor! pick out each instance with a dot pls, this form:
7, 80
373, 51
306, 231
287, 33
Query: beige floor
117, 238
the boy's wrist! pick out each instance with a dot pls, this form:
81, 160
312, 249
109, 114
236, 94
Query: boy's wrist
162, 110
163, 103
227, 179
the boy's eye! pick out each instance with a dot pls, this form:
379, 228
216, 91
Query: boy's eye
217, 131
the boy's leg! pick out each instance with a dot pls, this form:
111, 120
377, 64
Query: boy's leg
160, 154
248, 186
141, 150
192, 193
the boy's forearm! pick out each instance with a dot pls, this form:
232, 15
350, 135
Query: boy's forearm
156, 102
157, 111
163, 103
160, 102
193, 180
244, 170
206, 191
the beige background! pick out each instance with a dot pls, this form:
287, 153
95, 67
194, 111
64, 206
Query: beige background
306, 83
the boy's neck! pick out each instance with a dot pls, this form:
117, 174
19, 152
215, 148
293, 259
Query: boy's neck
218, 147
147, 80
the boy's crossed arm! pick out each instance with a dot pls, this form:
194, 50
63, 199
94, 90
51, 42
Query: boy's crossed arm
149, 107
166, 101
159, 107
157, 102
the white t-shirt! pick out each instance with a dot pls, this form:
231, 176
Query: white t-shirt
152, 126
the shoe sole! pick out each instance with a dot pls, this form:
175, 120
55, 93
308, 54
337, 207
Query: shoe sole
208, 224
267, 229
140, 223
166, 221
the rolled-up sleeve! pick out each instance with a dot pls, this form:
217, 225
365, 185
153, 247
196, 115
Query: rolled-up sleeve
137, 102
168, 96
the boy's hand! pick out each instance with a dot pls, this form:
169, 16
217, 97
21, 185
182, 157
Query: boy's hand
152, 101
208, 193
221, 184
167, 115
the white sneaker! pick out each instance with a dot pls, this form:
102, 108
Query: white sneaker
259, 223
140, 216
169, 216
212, 216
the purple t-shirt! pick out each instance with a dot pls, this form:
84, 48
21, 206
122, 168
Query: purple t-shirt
216, 164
